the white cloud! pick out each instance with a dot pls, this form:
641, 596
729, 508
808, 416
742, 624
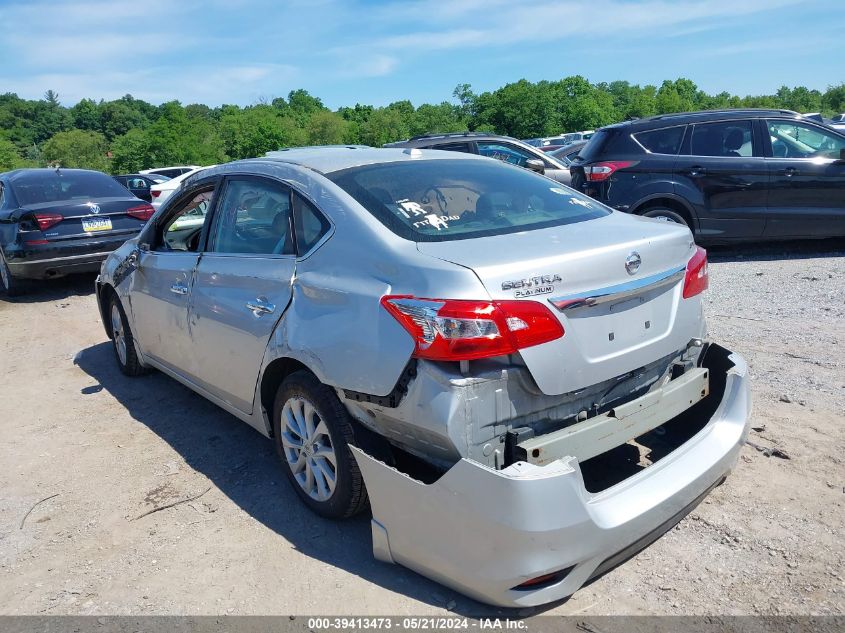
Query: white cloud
235, 51
204, 84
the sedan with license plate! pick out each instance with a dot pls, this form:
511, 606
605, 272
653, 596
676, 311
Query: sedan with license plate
512, 378
59, 221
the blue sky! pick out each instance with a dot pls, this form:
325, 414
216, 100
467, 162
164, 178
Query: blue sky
355, 51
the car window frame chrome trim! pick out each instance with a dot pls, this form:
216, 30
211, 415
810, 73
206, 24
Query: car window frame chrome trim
618, 292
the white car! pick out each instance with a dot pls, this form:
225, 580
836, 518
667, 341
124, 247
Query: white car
164, 190
170, 172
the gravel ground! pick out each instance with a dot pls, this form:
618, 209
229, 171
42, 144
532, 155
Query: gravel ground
109, 448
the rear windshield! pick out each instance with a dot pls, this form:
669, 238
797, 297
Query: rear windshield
441, 200
596, 145
52, 185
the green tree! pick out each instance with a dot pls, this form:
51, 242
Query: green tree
258, 129
77, 148
327, 128
833, 100
131, 152
384, 126
177, 140
301, 105
9, 156
444, 117
86, 115
118, 118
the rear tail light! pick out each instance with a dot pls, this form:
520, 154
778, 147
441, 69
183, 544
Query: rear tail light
603, 171
696, 279
142, 212
155, 193
450, 329
46, 220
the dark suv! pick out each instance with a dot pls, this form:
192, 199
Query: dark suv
728, 175
505, 148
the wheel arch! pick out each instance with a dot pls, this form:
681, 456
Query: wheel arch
272, 376
671, 201
104, 293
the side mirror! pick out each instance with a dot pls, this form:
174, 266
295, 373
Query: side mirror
535, 164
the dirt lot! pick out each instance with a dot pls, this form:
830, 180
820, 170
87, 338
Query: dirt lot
768, 541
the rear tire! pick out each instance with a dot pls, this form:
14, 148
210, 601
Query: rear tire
667, 215
13, 286
312, 432
123, 341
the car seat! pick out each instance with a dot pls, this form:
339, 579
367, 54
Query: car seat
733, 141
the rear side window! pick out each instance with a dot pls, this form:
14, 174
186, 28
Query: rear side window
664, 141
453, 147
55, 185
725, 138
311, 225
440, 200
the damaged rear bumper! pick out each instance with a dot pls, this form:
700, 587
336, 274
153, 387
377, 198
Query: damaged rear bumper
485, 532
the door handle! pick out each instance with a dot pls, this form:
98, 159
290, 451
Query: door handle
697, 172
790, 171
179, 289
260, 307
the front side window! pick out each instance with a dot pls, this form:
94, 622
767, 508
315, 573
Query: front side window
505, 153
440, 200
724, 138
664, 141
253, 217
799, 140
182, 231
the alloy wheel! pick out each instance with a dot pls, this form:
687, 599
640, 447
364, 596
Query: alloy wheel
308, 448
118, 333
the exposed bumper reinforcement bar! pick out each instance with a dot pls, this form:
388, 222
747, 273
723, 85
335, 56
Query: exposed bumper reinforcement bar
600, 434
484, 532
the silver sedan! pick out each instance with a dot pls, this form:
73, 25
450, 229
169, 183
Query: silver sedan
515, 379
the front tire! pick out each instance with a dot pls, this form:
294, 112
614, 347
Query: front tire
13, 286
312, 432
123, 341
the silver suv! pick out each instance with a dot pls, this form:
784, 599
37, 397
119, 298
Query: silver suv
514, 377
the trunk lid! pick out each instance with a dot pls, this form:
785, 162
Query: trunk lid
86, 218
615, 322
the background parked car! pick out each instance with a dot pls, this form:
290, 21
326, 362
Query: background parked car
567, 153
504, 148
58, 221
170, 172
561, 139
163, 190
728, 175
139, 184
